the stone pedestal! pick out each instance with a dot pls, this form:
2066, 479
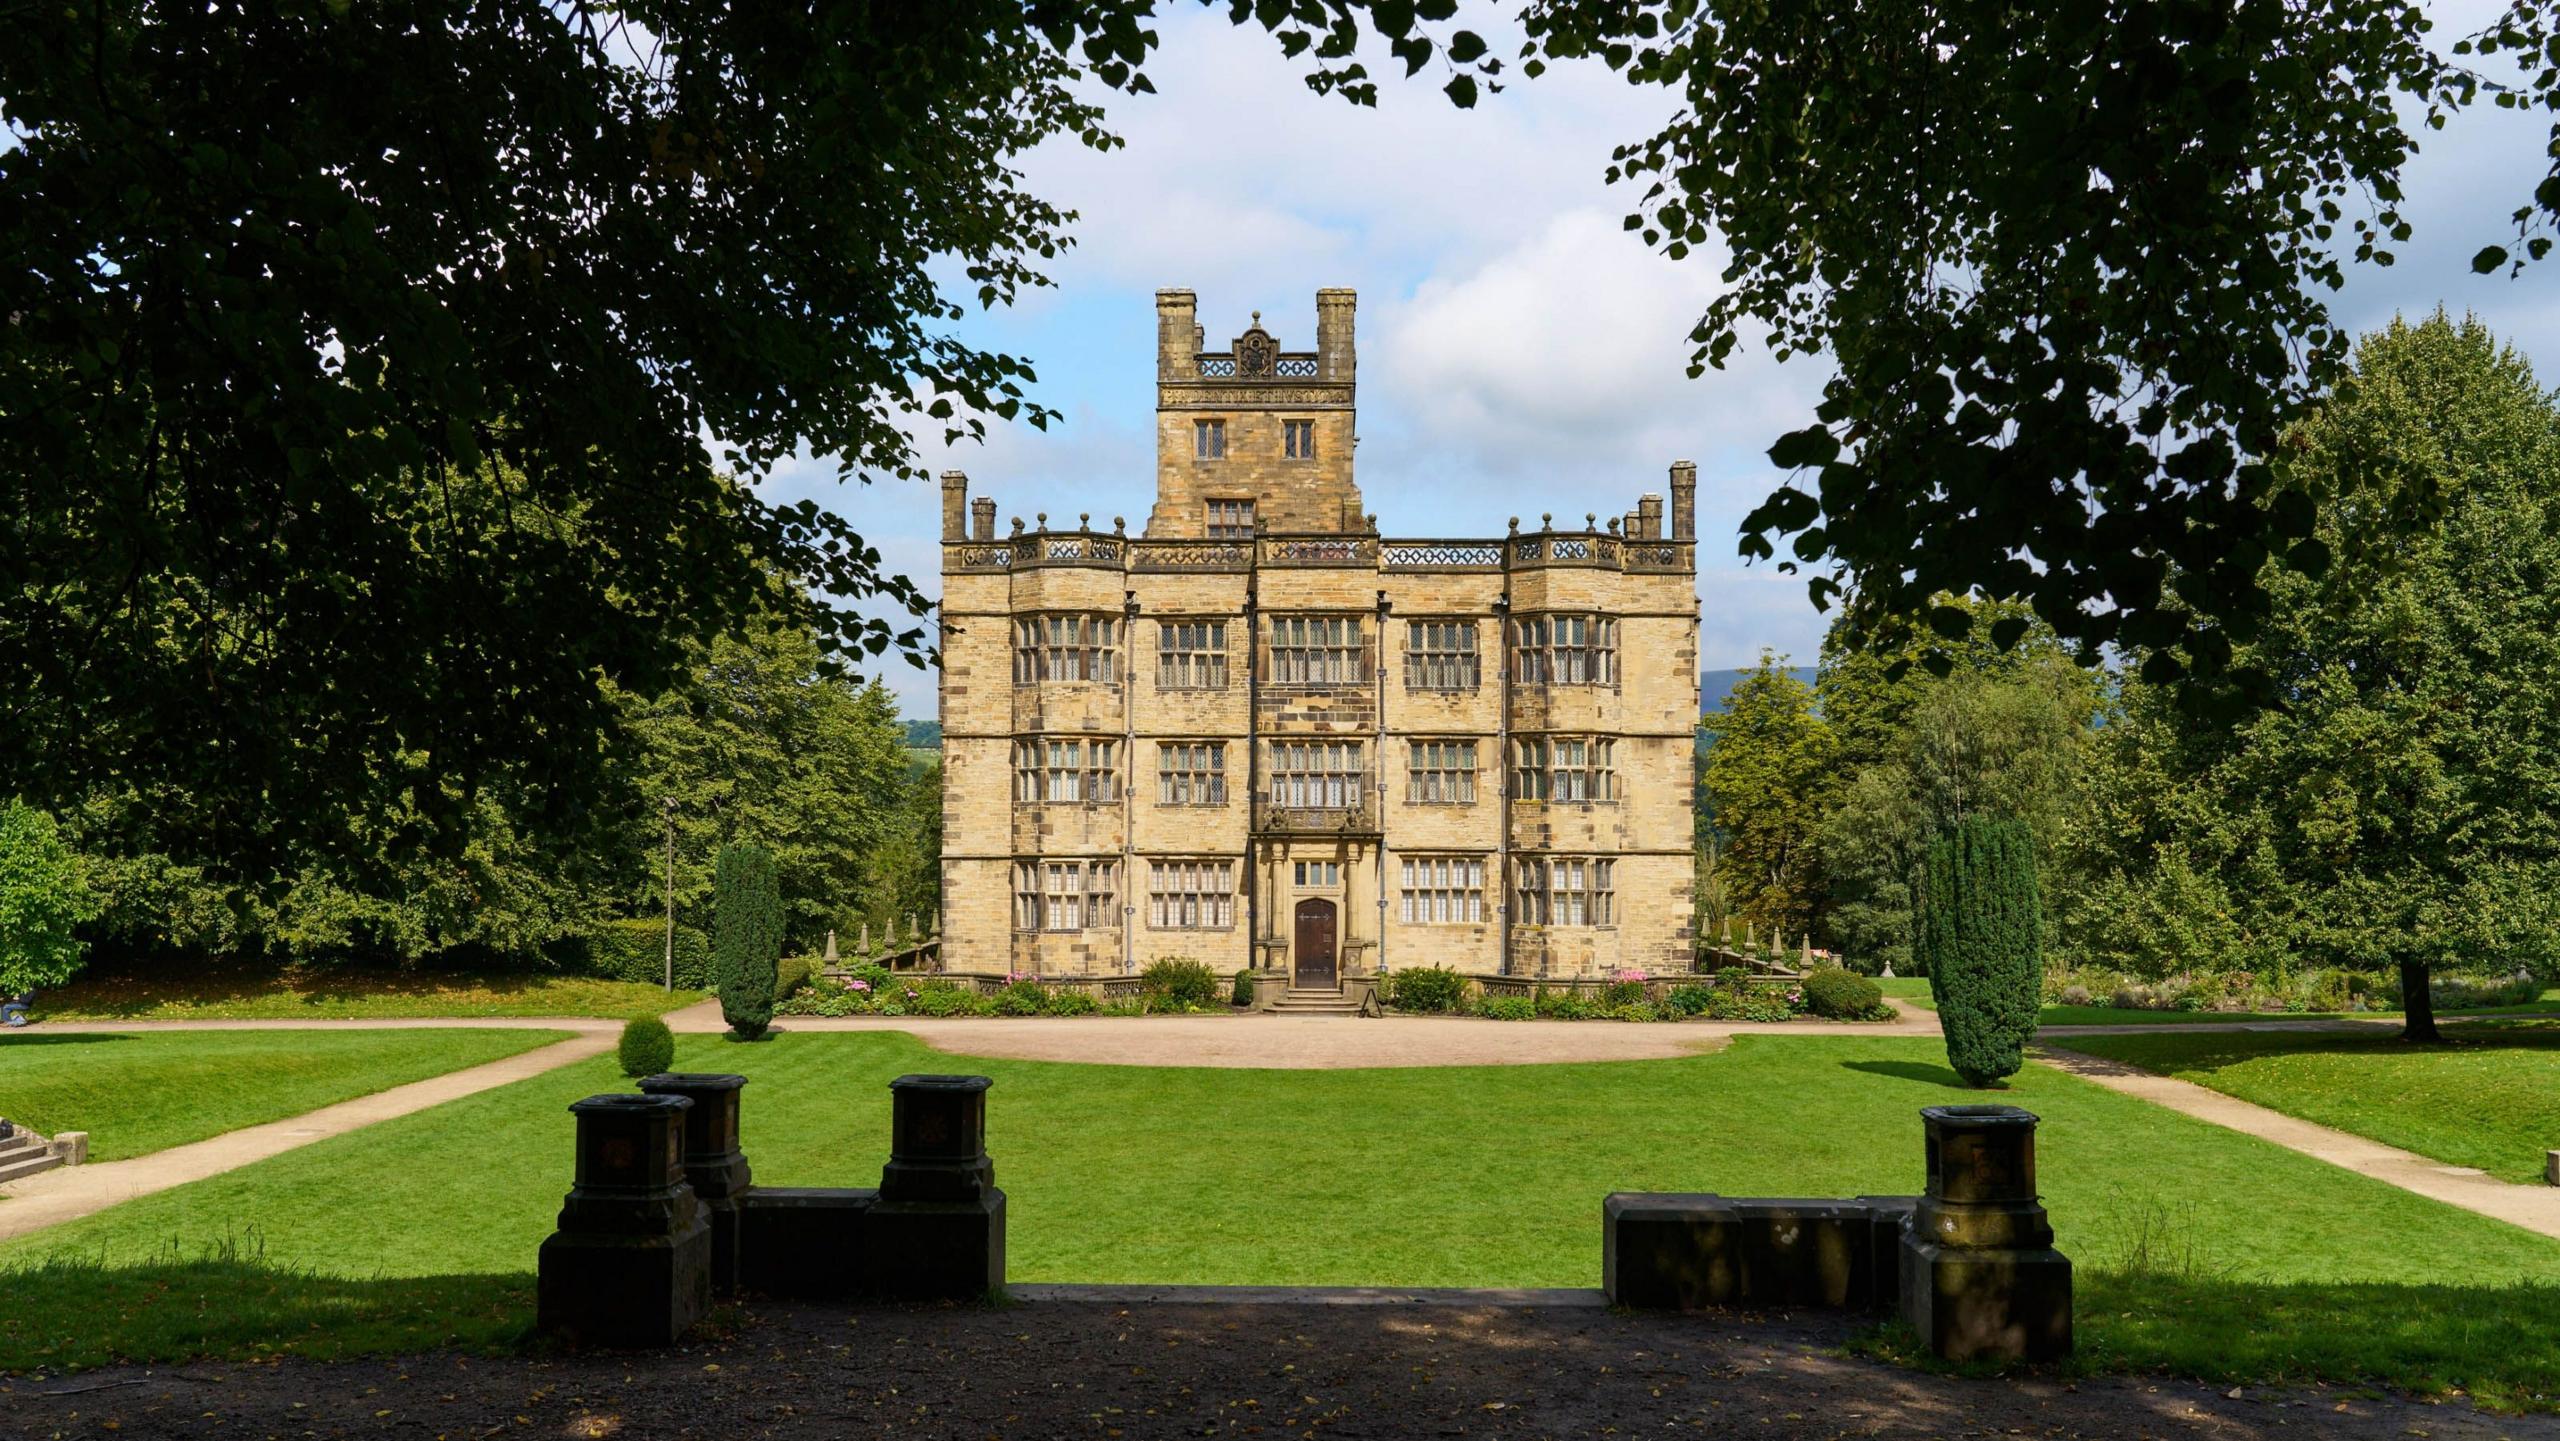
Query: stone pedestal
937, 1230
630, 1264
713, 1163
1980, 1277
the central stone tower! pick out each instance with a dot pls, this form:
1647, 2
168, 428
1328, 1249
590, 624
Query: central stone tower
1254, 437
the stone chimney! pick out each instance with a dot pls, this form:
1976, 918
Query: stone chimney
1684, 500
1335, 352
1649, 515
1177, 335
955, 505
982, 518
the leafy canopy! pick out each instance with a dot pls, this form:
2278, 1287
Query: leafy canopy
2070, 261
358, 361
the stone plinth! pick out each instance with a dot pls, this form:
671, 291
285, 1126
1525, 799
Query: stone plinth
803, 1242
713, 1163
1980, 1277
1684, 1252
630, 1264
937, 1231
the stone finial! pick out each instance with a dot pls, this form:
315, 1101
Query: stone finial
831, 950
1591, 520
1043, 524
1119, 525
1017, 525
1546, 520
1084, 520
1515, 525
1613, 525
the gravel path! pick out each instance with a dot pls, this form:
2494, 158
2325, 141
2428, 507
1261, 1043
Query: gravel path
1062, 1368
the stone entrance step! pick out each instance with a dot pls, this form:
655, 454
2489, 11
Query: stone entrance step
1297, 1002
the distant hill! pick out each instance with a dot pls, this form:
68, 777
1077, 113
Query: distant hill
924, 735
1715, 685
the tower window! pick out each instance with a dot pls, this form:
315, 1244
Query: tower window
1208, 440
1191, 896
1440, 655
1065, 647
1298, 439
1567, 891
1231, 520
1441, 772
1442, 890
1316, 775
1316, 650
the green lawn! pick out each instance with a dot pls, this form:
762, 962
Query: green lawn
2189, 1238
264, 994
2490, 1098
140, 1092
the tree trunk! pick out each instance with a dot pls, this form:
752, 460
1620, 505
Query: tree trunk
2418, 1008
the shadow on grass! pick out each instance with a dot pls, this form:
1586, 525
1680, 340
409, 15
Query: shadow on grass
2215, 1051
2498, 1344
69, 1315
1911, 1071
33, 1037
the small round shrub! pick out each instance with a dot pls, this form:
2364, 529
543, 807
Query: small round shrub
1508, 1008
1638, 1011
1022, 998
1070, 1001
1621, 993
1177, 983
1565, 1006
1242, 995
792, 974
647, 1048
1431, 989
1689, 999
1841, 995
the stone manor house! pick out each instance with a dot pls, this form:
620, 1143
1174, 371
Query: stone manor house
1260, 734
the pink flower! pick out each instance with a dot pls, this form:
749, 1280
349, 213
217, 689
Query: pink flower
857, 983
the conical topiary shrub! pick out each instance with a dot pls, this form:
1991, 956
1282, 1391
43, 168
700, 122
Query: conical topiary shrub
746, 938
1979, 929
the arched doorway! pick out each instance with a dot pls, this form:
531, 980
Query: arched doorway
1313, 952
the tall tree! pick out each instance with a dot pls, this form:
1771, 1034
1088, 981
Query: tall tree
1765, 774
2399, 808
357, 362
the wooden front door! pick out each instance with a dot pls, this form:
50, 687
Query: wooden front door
1315, 946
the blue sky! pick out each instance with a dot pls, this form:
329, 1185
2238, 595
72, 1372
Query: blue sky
1519, 352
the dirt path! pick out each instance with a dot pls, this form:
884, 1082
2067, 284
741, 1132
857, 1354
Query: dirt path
2536, 1208
71, 1192
1317, 1043
1142, 1370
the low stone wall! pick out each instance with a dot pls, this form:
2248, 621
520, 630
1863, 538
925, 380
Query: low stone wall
663, 1217
1969, 1263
